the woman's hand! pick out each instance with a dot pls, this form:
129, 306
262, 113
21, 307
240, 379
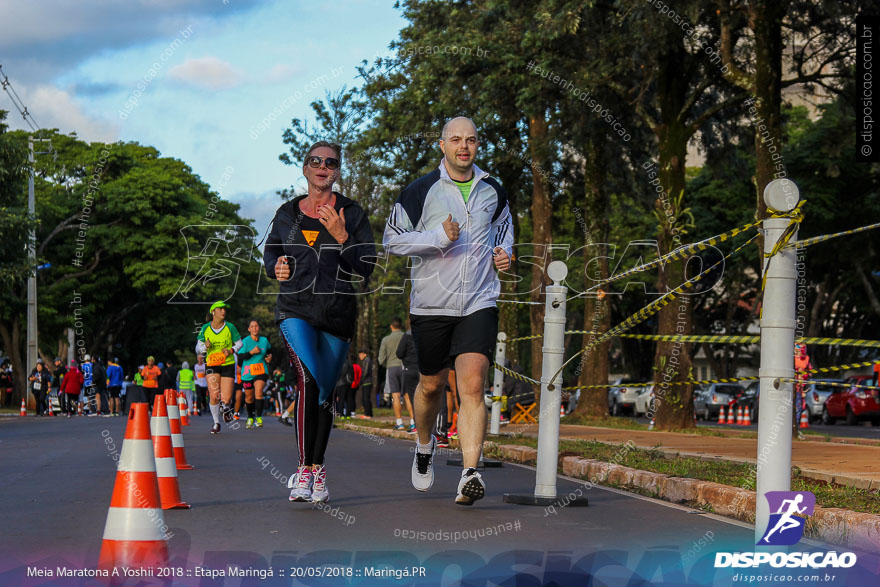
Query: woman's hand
335, 223
282, 269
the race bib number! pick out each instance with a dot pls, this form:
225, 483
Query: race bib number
216, 359
37, 385
257, 369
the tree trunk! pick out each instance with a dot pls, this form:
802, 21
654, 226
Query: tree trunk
765, 20
11, 334
597, 310
541, 235
672, 360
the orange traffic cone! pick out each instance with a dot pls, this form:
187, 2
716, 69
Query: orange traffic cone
561, 411
133, 534
804, 422
747, 418
79, 408
176, 431
722, 416
181, 405
739, 416
23, 408
166, 470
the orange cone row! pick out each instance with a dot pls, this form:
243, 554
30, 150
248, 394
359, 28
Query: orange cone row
133, 533
166, 468
176, 431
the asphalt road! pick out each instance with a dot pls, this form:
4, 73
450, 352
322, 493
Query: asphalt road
58, 474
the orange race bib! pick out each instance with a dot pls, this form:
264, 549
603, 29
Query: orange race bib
215, 359
257, 369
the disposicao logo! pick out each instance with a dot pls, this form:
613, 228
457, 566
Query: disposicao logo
785, 528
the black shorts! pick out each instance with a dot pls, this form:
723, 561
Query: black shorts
410, 382
224, 371
250, 384
114, 390
440, 339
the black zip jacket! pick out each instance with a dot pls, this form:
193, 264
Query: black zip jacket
324, 274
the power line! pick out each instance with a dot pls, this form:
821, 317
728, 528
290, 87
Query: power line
19, 104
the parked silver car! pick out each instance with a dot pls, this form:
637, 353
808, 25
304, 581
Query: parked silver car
709, 400
816, 394
622, 397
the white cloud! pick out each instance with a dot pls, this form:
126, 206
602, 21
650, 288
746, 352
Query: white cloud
55, 108
281, 72
207, 72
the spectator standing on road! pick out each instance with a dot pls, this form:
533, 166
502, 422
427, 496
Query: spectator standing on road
71, 386
99, 377
88, 392
150, 375
366, 386
802, 366
115, 379
394, 373
58, 372
40, 379
186, 383
6, 384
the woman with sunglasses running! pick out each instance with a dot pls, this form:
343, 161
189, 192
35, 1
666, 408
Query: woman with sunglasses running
316, 308
220, 340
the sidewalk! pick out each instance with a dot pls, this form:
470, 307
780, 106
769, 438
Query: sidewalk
844, 461
845, 464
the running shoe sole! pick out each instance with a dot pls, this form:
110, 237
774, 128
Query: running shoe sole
471, 491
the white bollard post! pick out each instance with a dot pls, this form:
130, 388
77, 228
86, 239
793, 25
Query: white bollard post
554, 350
498, 382
777, 354
551, 398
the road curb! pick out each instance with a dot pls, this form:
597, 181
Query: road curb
832, 525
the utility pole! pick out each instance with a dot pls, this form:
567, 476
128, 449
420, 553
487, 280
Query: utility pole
31, 361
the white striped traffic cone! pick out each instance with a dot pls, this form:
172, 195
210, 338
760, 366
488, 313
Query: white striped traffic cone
166, 468
23, 408
181, 406
176, 431
133, 534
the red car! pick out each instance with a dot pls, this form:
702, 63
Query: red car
853, 403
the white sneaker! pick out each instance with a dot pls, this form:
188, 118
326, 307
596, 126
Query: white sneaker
470, 488
301, 485
319, 486
423, 467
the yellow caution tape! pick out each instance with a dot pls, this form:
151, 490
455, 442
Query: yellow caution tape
515, 375
670, 383
750, 339
821, 239
828, 383
651, 308
676, 255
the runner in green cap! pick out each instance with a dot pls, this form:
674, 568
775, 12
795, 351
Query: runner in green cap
220, 341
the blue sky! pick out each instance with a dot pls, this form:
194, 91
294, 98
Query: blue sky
194, 78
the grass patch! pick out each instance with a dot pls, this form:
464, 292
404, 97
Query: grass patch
628, 424
728, 473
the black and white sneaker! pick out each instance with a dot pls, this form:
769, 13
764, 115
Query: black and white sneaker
423, 467
470, 488
215, 429
226, 411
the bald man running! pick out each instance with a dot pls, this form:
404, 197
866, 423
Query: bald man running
455, 223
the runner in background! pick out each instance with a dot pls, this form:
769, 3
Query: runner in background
254, 372
220, 340
201, 385
150, 375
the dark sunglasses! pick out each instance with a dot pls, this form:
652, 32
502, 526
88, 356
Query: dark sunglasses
331, 162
